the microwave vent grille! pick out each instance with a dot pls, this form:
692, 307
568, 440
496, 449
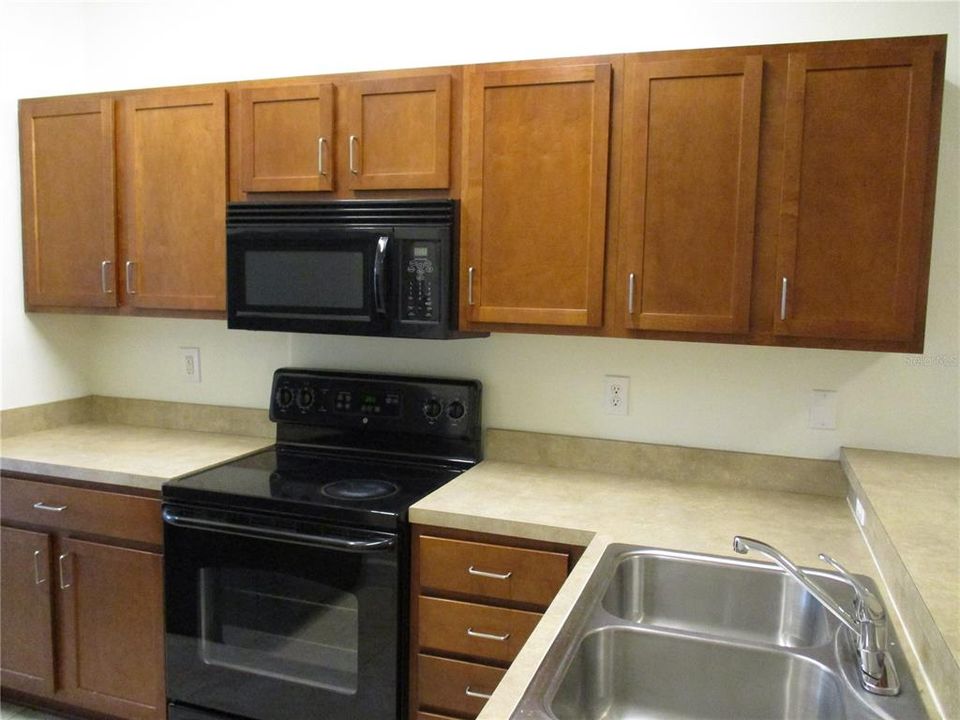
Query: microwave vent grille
364, 212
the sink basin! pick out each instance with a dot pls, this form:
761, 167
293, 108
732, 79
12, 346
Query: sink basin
673, 635
694, 594
671, 677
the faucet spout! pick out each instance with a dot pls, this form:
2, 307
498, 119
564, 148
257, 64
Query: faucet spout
878, 674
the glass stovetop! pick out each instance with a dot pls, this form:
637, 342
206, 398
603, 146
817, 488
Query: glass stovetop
351, 490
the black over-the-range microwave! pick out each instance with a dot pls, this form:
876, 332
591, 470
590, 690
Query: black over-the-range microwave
353, 267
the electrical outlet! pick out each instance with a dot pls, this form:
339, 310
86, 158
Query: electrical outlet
190, 364
616, 395
859, 513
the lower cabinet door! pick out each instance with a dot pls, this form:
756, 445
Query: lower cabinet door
112, 629
26, 631
454, 686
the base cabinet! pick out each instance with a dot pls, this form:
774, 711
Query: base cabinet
475, 600
82, 622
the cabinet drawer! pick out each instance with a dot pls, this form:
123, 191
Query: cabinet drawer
444, 685
491, 571
480, 631
94, 512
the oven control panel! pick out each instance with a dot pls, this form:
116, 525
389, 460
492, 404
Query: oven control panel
388, 403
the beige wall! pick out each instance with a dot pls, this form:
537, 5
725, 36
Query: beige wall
741, 398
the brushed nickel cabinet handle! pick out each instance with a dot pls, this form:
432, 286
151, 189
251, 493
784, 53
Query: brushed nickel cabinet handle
470, 285
631, 284
129, 273
38, 580
482, 573
476, 694
104, 285
783, 299
63, 584
321, 143
354, 145
487, 636
49, 508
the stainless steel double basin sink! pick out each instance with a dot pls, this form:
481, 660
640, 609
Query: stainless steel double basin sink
670, 635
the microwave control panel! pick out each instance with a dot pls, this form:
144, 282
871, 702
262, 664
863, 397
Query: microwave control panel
420, 293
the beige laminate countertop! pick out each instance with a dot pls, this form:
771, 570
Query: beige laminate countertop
127, 455
916, 498
596, 509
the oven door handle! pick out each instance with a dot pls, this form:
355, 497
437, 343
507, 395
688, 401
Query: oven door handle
333, 542
379, 291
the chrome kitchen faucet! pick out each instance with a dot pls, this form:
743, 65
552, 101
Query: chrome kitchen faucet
878, 674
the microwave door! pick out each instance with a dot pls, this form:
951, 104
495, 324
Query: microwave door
309, 279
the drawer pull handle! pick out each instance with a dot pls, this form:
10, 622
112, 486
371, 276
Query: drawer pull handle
476, 694
49, 508
496, 576
487, 636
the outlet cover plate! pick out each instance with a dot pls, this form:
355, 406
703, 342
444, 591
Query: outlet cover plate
190, 364
616, 395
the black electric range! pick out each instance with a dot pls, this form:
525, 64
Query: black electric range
286, 571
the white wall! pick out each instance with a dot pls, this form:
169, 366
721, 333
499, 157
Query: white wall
743, 398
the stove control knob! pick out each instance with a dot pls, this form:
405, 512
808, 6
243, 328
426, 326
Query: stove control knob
305, 398
284, 397
456, 410
432, 409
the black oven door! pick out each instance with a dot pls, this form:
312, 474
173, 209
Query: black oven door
298, 278
276, 619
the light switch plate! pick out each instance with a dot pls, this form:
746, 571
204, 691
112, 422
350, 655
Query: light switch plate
823, 410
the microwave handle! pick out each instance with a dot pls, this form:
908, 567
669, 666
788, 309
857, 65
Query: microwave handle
378, 277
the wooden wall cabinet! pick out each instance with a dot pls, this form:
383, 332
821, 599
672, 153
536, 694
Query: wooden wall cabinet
534, 218
175, 145
82, 584
475, 599
395, 135
690, 157
854, 233
68, 195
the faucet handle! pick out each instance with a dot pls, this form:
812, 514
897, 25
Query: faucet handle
867, 602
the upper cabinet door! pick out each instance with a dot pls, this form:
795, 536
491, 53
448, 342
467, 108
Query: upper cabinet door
398, 133
286, 136
534, 212
856, 160
690, 149
176, 190
69, 202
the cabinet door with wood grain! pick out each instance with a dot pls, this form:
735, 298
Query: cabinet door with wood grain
27, 661
176, 193
690, 153
534, 211
67, 157
286, 138
397, 134
112, 628
856, 166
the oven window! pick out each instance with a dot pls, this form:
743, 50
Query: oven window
279, 626
303, 279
